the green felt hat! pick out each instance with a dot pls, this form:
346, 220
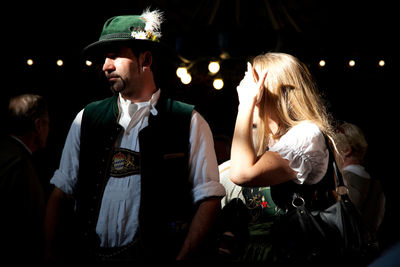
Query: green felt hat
141, 29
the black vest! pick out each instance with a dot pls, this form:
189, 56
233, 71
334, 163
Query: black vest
164, 154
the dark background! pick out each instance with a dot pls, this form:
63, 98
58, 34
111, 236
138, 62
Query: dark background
335, 31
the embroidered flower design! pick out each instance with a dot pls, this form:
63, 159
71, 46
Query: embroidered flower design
264, 203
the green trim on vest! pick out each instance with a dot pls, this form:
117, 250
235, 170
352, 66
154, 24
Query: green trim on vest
97, 114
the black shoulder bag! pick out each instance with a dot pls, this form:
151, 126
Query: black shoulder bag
331, 233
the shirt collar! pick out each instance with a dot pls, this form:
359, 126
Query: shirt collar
153, 102
131, 108
22, 143
357, 169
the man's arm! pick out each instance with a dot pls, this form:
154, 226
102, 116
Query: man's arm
207, 190
51, 219
200, 226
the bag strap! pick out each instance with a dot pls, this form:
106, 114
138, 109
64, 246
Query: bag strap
341, 188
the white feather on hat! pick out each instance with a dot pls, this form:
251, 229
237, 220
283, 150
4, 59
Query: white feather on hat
153, 21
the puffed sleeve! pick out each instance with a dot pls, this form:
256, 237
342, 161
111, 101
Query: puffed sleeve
305, 149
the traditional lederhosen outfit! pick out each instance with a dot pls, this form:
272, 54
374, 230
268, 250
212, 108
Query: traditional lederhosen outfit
137, 170
138, 180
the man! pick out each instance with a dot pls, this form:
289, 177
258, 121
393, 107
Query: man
141, 167
365, 191
22, 198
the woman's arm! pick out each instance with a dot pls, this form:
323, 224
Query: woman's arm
246, 168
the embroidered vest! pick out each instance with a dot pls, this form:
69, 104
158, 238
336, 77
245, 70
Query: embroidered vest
164, 154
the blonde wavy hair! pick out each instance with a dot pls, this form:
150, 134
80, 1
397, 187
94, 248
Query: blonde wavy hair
290, 95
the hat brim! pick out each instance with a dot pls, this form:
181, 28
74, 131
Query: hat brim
98, 49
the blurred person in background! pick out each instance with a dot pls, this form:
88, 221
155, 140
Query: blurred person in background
22, 197
364, 191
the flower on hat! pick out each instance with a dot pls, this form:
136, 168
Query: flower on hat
141, 35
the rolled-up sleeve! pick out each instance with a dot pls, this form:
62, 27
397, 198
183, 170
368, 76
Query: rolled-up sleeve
203, 165
65, 177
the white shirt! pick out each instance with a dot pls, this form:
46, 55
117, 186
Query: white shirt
357, 169
305, 149
118, 218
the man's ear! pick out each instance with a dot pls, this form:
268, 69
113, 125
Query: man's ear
347, 151
147, 59
38, 125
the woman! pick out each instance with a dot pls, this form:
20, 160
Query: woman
279, 96
279, 100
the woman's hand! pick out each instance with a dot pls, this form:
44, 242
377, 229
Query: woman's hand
250, 90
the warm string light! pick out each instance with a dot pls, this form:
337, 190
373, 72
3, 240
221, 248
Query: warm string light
352, 63
218, 83
214, 67
184, 75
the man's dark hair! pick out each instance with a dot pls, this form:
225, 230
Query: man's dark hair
138, 49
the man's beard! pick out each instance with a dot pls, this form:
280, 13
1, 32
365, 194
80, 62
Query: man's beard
118, 86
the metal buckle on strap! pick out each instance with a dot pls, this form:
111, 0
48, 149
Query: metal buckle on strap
298, 201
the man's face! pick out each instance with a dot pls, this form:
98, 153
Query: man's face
45, 128
42, 127
122, 70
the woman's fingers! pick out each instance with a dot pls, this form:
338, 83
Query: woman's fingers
260, 86
252, 85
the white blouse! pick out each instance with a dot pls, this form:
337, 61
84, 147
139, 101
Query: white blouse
305, 149
118, 218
